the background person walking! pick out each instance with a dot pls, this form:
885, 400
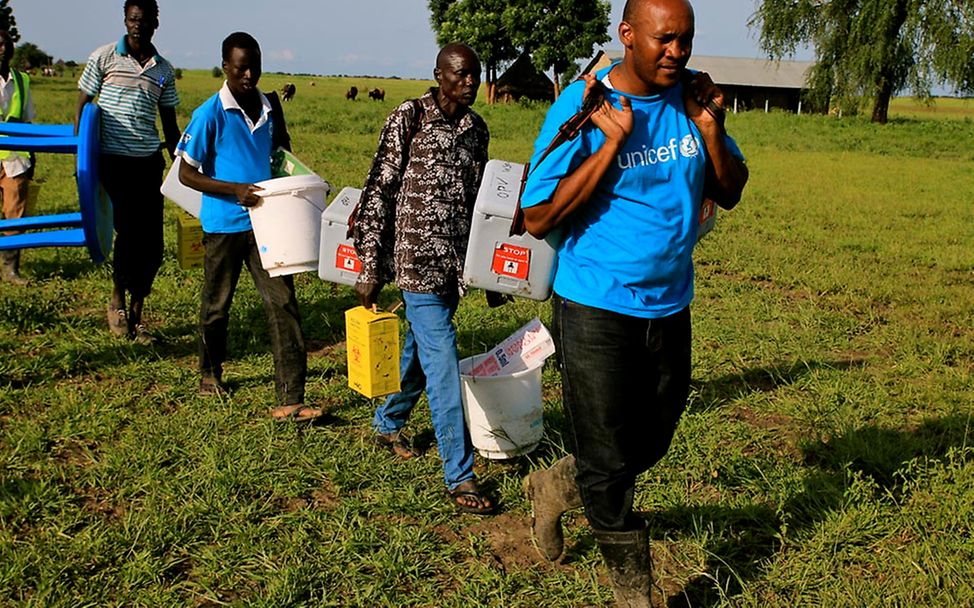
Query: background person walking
16, 168
132, 82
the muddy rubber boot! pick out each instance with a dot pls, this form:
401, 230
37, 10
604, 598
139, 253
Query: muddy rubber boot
630, 565
551, 491
10, 267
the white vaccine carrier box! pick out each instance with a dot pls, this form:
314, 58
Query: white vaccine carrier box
337, 260
519, 265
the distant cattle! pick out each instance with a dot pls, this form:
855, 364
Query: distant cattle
287, 91
352, 93
377, 94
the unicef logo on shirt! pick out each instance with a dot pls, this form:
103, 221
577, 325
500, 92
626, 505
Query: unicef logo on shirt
689, 147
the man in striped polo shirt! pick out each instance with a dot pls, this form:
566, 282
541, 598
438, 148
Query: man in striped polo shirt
131, 82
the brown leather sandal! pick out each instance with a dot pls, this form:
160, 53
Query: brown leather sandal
466, 493
297, 412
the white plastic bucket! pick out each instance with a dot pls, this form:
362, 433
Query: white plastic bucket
503, 412
287, 223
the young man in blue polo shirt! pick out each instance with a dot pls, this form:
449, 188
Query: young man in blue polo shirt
626, 195
226, 149
132, 81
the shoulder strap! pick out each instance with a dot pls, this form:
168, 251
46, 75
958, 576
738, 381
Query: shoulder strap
280, 137
568, 130
417, 121
418, 112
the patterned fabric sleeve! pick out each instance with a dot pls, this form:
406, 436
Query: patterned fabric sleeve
374, 232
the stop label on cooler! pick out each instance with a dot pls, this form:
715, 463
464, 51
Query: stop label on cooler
511, 261
346, 259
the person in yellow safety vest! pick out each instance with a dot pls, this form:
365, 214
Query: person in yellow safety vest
16, 168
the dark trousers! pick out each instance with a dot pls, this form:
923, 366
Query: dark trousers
225, 256
625, 383
132, 182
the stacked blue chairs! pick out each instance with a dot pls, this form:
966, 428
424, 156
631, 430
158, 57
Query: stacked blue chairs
91, 226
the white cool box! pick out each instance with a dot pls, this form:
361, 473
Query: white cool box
337, 260
517, 265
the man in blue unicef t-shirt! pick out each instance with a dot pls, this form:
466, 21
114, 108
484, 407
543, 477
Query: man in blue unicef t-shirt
626, 195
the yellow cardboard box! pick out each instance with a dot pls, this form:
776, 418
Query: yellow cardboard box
372, 345
189, 240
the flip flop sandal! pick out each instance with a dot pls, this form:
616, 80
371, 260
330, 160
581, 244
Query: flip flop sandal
297, 415
397, 444
480, 499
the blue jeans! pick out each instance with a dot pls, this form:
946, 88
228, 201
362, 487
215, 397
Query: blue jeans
430, 361
625, 383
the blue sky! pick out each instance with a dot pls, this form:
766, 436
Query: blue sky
358, 37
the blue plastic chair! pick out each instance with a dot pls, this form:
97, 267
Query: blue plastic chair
91, 227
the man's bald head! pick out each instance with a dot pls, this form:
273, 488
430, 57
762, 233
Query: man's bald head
658, 40
634, 6
454, 50
458, 75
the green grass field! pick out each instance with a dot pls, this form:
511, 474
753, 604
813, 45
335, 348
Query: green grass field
826, 457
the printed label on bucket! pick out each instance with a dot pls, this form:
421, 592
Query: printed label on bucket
511, 261
528, 347
346, 259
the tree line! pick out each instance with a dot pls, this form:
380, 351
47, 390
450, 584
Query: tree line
555, 33
866, 51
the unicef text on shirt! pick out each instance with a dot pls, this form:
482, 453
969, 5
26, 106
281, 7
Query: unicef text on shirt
688, 146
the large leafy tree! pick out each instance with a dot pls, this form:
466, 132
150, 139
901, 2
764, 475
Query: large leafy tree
29, 55
7, 21
479, 23
868, 50
557, 32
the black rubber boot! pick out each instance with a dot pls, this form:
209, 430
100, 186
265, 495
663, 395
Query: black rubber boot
630, 566
551, 491
10, 267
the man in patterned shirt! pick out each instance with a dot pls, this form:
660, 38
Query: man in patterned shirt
412, 226
131, 82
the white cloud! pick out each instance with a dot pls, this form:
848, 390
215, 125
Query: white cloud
283, 55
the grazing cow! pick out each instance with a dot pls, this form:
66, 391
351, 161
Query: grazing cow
287, 91
377, 94
352, 93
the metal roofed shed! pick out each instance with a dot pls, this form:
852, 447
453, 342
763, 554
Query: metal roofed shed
748, 84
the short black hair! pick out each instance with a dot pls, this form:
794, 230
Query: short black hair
149, 7
239, 40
